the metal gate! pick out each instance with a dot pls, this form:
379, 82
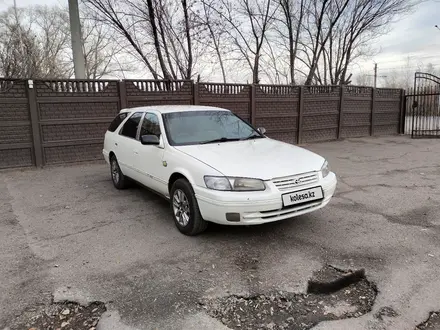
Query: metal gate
422, 117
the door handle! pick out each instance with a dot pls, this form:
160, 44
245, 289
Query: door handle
136, 152
116, 144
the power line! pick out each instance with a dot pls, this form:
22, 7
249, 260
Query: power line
411, 57
400, 68
375, 75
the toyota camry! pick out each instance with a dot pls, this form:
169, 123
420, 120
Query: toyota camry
214, 166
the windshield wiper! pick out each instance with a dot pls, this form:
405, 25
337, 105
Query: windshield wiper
223, 139
252, 137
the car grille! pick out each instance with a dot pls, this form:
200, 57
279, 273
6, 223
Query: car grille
290, 182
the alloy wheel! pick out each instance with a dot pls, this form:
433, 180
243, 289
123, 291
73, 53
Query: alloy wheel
181, 208
115, 171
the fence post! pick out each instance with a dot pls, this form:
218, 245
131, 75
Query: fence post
35, 123
373, 106
341, 107
402, 118
300, 115
196, 98
253, 102
123, 94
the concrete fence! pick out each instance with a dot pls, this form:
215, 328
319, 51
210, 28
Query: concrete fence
62, 121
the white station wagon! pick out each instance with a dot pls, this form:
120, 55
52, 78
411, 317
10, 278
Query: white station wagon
214, 167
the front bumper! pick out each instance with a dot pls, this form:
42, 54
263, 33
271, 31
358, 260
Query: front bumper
258, 207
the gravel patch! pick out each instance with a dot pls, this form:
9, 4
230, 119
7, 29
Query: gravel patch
432, 323
284, 310
64, 315
385, 311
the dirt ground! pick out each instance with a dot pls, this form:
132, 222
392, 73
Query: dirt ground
68, 238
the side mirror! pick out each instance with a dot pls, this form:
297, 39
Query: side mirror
151, 140
262, 130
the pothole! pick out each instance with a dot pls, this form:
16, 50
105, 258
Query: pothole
335, 294
385, 311
62, 315
432, 323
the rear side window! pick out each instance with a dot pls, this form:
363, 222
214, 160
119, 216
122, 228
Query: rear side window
131, 125
117, 121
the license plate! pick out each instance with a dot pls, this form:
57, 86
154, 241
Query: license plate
302, 196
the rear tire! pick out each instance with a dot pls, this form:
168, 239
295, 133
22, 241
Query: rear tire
120, 181
186, 212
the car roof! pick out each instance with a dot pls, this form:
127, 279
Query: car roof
174, 108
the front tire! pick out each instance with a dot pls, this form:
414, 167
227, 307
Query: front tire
185, 209
118, 178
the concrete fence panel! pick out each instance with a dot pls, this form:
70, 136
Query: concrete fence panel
152, 92
16, 140
356, 111
277, 109
235, 97
387, 113
321, 113
73, 118
63, 121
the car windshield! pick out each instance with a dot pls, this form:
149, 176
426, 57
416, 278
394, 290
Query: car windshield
201, 127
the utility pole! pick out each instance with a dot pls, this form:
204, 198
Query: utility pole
375, 75
75, 31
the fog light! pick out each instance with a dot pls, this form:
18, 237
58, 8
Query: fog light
233, 217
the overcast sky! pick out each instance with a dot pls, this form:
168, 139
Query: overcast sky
413, 37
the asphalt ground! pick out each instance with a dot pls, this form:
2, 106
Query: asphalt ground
67, 234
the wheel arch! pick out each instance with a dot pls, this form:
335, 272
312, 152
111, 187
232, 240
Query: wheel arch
174, 177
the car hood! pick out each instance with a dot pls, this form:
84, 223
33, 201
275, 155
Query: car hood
261, 158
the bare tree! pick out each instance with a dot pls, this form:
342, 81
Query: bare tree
360, 23
325, 14
39, 47
406, 73
246, 23
291, 19
393, 79
402, 76
279, 41
19, 53
33, 47
430, 68
101, 50
364, 78
212, 31
178, 31
118, 15
159, 33
188, 39
152, 20
52, 31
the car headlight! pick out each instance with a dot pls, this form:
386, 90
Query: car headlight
234, 184
217, 183
325, 169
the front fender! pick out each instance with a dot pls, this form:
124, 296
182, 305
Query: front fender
191, 168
